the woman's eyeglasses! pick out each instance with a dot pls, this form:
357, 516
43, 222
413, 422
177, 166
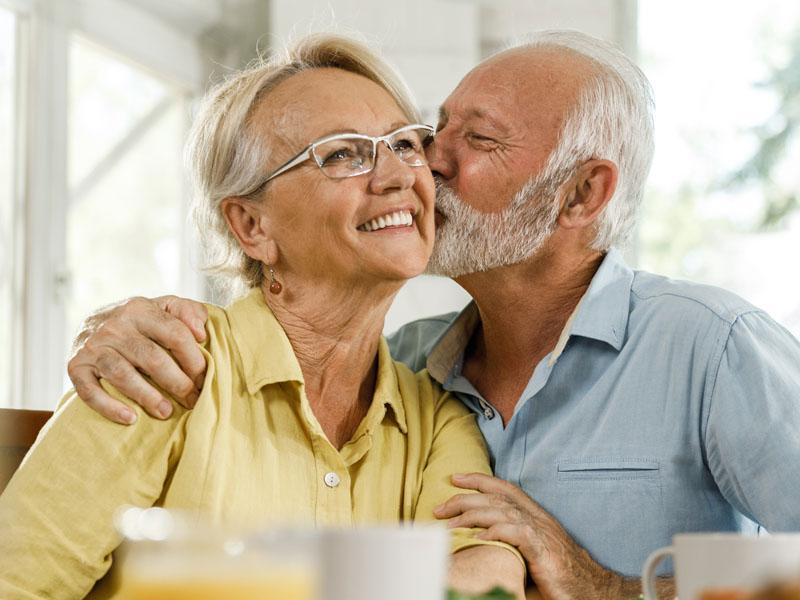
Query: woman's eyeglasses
350, 154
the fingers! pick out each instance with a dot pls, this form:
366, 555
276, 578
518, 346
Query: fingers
485, 517
510, 533
165, 350
88, 388
173, 323
122, 375
138, 334
193, 314
481, 482
462, 502
493, 485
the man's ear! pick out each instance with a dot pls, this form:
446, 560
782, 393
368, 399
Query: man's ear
588, 193
250, 226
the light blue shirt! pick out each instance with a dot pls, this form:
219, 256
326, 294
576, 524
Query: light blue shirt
672, 407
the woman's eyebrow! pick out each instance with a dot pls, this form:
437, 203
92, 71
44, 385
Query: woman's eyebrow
392, 127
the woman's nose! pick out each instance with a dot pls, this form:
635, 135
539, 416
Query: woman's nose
390, 173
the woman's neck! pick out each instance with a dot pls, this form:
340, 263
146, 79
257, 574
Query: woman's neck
335, 331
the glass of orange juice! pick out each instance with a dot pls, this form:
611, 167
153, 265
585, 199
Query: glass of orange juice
164, 557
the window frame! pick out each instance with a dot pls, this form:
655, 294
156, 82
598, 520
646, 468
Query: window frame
40, 276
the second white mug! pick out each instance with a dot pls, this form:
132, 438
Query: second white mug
725, 561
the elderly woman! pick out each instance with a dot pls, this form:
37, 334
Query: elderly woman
313, 185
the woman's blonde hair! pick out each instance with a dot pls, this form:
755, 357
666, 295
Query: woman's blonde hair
226, 156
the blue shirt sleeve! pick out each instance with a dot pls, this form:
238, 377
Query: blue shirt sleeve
752, 435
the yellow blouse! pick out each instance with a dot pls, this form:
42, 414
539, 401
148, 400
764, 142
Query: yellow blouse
251, 451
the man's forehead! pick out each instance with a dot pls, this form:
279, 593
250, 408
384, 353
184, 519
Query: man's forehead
499, 87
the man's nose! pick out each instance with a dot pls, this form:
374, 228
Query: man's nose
390, 173
439, 159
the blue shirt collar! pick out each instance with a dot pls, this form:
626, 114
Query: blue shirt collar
605, 307
601, 315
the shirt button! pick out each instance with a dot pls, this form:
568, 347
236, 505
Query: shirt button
331, 479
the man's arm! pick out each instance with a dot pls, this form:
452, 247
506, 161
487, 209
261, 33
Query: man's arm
560, 568
121, 343
752, 419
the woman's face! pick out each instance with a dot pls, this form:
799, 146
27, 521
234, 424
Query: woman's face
320, 225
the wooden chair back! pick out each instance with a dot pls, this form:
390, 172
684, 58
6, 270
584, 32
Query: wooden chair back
18, 431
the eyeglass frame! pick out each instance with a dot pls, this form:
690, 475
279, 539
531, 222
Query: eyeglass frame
308, 152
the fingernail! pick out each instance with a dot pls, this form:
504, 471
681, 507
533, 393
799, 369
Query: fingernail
127, 416
200, 328
164, 409
458, 476
438, 509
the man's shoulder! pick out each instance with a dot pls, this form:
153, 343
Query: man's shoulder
680, 298
413, 342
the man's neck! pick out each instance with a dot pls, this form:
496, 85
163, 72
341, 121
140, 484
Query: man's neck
523, 310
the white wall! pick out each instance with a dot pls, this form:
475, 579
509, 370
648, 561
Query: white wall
612, 20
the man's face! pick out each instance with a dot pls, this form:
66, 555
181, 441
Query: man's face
496, 132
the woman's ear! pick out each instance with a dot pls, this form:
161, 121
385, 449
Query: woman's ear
250, 226
589, 192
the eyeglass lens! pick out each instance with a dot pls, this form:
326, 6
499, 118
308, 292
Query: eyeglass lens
347, 156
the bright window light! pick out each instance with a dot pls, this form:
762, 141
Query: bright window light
723, 203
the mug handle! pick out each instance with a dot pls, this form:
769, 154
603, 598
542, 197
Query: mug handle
649, 571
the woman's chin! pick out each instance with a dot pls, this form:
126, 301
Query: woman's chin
401, 269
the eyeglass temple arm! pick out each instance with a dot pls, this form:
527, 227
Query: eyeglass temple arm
291, 163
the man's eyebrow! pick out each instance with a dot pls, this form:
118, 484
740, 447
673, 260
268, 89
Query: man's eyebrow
489, 118
477, 113
442, 115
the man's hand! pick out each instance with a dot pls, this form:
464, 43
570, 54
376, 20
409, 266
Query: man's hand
156, 337
559, 567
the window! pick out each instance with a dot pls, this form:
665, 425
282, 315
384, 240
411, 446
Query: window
125, 217
93, 117
8, 205
723, 197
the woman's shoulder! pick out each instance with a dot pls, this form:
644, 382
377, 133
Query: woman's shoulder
219, 344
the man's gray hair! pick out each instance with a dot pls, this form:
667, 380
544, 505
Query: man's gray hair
612, 120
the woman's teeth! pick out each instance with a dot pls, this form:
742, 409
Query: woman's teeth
395, 219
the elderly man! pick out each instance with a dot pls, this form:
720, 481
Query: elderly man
619, 407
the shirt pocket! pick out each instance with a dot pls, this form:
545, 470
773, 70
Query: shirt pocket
609, 469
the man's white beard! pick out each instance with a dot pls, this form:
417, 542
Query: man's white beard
469, 241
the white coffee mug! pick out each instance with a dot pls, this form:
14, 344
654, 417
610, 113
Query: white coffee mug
390, 563
706, 561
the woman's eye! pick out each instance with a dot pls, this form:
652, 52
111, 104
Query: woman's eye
339, 155
404, 146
